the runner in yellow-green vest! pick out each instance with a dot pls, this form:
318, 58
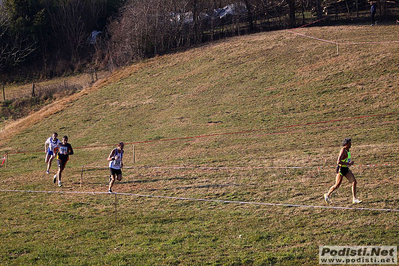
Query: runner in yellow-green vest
343, 162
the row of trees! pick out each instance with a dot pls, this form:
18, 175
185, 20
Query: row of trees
51, 36
147, 28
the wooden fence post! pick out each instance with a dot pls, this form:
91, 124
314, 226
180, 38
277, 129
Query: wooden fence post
116, 208
81, 176
91, 75
33, 89
134, 154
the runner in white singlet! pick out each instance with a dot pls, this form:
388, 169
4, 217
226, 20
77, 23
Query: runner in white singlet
50, 147
115, 165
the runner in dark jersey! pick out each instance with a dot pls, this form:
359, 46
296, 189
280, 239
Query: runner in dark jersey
65, 149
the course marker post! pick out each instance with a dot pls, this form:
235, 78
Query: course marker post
3, 161
81, 176
116, 208
337, 48
4, 93
134, 154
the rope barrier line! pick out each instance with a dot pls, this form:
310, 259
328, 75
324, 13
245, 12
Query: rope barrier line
217, 168
333, 42
324, 128
311, 23
221, 134
382, 42
308, 36
311, 37
210, 200
257, 130
233, 167
339, 43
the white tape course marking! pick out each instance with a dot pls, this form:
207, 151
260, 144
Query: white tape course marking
232, 167
209, 200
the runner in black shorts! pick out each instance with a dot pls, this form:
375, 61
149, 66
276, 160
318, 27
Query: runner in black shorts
51, 148
65, 149
115, 165
344, 161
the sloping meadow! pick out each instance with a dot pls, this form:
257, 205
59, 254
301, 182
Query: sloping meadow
213, 135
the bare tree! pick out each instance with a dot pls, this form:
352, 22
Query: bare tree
144, 28
14, 48
126, 33
4, 27
249, 7
72, 21
291, 14
68, 25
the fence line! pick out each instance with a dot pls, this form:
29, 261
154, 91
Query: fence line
288, 205
332, 42
336, 43
222, 168
234, 167
226, 133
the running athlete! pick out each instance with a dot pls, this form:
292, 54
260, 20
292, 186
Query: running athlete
115, 165
51, 146
344, 161
65, 150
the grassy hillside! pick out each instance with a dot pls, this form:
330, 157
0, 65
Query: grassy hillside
217, 123
19, 101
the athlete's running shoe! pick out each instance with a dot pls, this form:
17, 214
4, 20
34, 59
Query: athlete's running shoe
59, 184
47, 172
327, 199
354, 201
109, 191
55, 179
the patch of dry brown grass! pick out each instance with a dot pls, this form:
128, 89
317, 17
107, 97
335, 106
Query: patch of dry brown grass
12, 128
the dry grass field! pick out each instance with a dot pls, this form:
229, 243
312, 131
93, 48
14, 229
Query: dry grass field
234, 145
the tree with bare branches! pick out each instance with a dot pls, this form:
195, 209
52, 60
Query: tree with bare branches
15, 48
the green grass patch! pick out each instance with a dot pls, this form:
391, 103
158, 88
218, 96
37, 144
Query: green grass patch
219, 122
